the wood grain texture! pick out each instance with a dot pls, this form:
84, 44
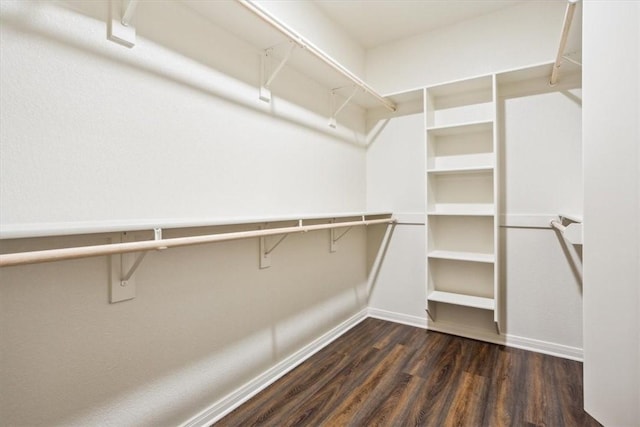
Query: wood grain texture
386, 374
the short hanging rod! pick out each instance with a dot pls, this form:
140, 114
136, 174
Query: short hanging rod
295, 37
568, 17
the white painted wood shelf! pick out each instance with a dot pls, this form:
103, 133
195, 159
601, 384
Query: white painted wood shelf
461, 169
463, 256
462, 196
462, 209
463, 300
474, 126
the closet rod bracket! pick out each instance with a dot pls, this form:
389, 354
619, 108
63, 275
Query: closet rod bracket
265, 253
335, 111
119, 28
123, 285
265, 61
334, 237
129, 7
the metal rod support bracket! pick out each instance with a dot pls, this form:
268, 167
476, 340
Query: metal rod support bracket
119, 28
334, 237
265, 253
129, 8
123, 286
336, 111
265, 60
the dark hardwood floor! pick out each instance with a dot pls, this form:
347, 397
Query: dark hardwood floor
386, 374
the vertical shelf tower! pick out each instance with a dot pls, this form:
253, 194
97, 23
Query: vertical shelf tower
462, 196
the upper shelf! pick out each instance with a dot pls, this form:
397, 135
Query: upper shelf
253, 24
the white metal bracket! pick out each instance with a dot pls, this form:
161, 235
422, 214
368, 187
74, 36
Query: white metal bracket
265, 253
265, 62
335, 111
119, 29
123, 267
334, 237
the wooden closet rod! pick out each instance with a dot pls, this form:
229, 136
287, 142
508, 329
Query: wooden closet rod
299, 40
50, 255
568, 17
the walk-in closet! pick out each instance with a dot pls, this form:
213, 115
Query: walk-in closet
319, 212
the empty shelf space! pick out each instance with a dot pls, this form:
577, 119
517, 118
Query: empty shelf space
464, 300
463, 256
460, 102
470, 234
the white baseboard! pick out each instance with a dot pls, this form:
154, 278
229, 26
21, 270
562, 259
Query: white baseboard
538, 346
233, 400
530, 344
391, 316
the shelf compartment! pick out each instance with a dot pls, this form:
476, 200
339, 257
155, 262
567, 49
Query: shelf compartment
461, 234
461, 277
469, 145
469, 100
465, 191
463, 300
463, 256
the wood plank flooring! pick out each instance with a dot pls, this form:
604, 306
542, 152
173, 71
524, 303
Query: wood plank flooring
386, 374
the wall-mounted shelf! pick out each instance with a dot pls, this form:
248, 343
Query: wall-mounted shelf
251, 22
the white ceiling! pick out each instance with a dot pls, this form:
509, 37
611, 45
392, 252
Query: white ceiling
375, 22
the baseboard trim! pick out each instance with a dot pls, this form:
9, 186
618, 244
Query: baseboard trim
236, 398
530, 344
402, 318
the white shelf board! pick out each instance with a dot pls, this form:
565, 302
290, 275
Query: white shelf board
463, 256
463, 209
463, 300
461, 128
18, 231
465, 169
457, 87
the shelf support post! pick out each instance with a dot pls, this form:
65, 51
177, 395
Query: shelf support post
265, 82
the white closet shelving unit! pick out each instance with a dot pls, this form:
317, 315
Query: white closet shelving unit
462, 195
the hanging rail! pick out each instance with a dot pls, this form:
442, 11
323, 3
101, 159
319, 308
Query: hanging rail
295, 37
568, 17
50, 255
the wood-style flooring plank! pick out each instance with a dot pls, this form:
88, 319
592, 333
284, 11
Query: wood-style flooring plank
386, 374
